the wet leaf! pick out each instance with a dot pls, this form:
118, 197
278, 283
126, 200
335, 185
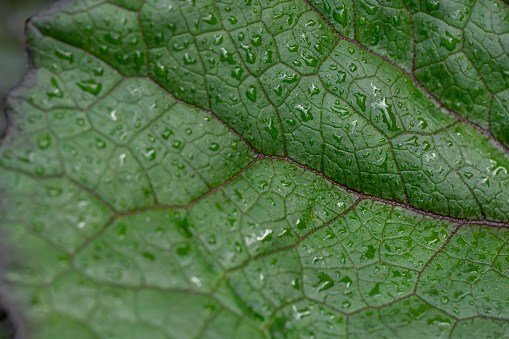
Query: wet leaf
245, 169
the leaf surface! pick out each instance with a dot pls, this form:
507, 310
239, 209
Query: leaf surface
245, 169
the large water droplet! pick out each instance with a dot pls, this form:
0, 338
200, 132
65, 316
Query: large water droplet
251, 93
90, 86
324, 282
361, 101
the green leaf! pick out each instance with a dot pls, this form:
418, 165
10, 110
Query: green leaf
260, 168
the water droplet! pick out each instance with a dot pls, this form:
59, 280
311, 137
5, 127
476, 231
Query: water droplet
304, 113
214, 146
99, 71
309, 60
44, 142
99, 143
272, 129
369, 8
90, 86
263, 184
122, 58
167, 133
432, 5
161, 70
340, 15
313, 90
251, 93
210, 19
159, 37
477, 57
375, 290
361, 101
226, 56
188, 59
250, 56
183, 250
388, 116
176, 144
237, 73
256, 40
212, 240
340, 110
66, 55
289, 79
53, 191
422, 123
293, 48
148, 256
278, 90
149, 153
113, 38
449, 41
337, 137
55, 91
324, 282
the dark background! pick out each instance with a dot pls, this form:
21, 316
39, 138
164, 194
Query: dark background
13, 14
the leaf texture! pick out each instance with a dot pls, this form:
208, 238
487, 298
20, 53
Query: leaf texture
260, 169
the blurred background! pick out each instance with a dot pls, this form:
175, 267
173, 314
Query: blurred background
13, 14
